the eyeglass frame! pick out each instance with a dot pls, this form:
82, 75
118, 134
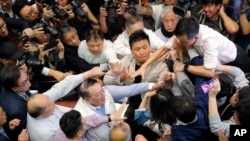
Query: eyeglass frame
25, 82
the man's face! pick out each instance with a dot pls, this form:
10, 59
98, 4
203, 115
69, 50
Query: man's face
71, 38
29, 13
170, 21
97, 93
6, 5
23, 83
211, 10
141, 51
95, 46
170, 2
3, 29
184, 41
63, 3
44, 38
135, 27
3, 117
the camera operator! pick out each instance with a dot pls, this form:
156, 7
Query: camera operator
51, 50
112, 18
80, 16
10, 30
31, 13
11, 55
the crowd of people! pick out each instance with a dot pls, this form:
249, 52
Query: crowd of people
179, 69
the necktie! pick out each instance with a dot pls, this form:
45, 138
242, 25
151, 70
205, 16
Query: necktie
24, 96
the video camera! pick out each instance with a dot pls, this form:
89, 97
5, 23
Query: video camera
183, 6
131, 6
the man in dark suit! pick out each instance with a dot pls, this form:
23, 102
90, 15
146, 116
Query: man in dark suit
13, 97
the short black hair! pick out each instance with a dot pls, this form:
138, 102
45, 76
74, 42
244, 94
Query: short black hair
227, 86
204, 2
187, 26
83, 92
242, 110
161, 99
63, 29
244, 93
137, 36
94, 34
71, 123
18, 5
9, 76
184, 108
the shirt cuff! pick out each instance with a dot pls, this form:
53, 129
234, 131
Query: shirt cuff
192, 53
150, 86
104, 67
45, 71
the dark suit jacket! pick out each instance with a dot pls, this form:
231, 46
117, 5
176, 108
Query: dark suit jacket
15, 107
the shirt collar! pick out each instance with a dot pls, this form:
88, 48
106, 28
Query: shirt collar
182, 123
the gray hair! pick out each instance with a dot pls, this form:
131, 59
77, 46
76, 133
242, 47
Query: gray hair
168, 9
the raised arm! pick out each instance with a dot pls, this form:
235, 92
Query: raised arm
70, 82
215, 122
155, 56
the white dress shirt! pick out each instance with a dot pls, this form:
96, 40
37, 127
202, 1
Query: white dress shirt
214, 47
121, 44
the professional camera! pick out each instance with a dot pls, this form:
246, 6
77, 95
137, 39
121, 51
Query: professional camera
77, 9
182, 7
131, 6
45, 24
52, 43
60, 13
54, 6
111, 8
29, 61
54, 33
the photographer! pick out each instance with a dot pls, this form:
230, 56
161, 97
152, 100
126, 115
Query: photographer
80, 16
11, 55
6, 27
31, 13
112, 18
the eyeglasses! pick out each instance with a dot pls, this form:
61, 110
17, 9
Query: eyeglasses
25, 82
100, 93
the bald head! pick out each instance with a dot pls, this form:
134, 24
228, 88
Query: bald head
120, 132
37, 105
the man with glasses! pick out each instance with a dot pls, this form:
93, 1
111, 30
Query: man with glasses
9, 25
13, 97
99, 100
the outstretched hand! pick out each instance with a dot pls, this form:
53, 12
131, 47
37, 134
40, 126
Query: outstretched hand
118, 114
140, 71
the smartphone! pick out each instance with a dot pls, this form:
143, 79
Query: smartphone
206, 86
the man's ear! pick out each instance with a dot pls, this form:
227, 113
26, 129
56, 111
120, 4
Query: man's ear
196, 36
